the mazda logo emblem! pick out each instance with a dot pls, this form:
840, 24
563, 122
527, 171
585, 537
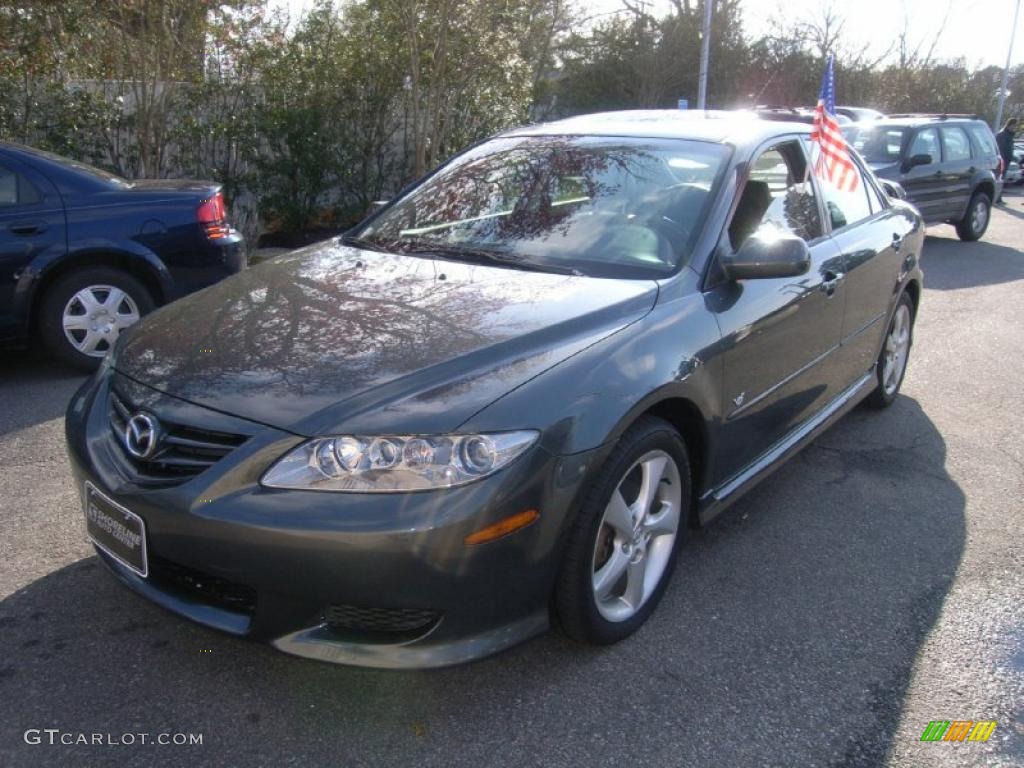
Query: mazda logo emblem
141, 434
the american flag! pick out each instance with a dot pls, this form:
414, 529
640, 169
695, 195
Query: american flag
833, 161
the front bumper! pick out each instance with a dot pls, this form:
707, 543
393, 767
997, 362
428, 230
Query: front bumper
281, 562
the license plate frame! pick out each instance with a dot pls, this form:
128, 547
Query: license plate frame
116, 530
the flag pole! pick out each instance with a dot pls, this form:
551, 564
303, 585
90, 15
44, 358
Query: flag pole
705, 44
1006, 71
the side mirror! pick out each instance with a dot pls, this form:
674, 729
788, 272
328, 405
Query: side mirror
762, 255
916, 160
893, 189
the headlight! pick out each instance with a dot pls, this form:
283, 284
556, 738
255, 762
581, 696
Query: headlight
393, 463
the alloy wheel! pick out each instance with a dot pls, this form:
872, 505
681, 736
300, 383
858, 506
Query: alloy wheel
979, 216
636, 536
897, 349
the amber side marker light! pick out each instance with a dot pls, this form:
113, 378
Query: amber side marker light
504, 527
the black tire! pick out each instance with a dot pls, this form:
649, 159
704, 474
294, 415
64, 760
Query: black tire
883, 396
575, 602
57, 297
970, 227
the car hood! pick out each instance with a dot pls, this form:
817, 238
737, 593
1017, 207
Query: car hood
333, 338
886, 170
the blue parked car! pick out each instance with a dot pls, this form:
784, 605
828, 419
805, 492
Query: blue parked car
84, 253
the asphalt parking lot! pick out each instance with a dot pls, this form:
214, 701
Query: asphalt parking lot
873, 584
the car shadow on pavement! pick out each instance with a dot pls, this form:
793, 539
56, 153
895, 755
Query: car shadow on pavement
788, 636
950, 264
33, 389
1013, 208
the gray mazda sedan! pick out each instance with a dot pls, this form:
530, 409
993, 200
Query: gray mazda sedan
502, 400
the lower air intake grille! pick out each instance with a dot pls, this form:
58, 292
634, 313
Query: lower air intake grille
398, 621
211, 590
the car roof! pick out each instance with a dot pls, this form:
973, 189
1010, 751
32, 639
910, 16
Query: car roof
732, 127
911, 121
37, 154
63, 170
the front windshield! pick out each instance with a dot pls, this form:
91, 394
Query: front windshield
607, 207
880, 144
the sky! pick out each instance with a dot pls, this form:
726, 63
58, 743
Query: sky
978, 30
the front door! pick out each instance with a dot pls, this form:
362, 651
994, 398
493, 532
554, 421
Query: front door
31, 223
925, 184
780, 333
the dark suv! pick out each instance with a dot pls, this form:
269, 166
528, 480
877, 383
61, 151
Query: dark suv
948, 165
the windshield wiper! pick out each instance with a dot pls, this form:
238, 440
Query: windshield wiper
478, 256
360, 242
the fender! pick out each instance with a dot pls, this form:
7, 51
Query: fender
912, 285
982, 178
668, 356
127, 253
603, 390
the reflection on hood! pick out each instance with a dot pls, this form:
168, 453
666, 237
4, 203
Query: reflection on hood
283, 341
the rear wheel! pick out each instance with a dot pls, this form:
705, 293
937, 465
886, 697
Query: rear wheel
84, 312
892, 361
975, 221
623, 546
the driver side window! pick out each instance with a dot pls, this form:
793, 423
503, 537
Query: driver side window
776, 196
926, 143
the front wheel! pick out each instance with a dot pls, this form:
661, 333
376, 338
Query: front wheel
892, 361
975, 222
84, 312
623, 546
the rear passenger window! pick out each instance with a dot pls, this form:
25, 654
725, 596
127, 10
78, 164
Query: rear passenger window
846, 206
8, 187
956, 143
777, 197
15, 189
874, 197
926, 142
984, 139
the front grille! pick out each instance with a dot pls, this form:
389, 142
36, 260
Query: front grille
182, 451
211, 590
384, 621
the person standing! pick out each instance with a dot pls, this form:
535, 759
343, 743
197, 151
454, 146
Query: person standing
1004, 140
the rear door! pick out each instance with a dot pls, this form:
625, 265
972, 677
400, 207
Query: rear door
780, 334
924, 183
986, 153
958, 168
31, 224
